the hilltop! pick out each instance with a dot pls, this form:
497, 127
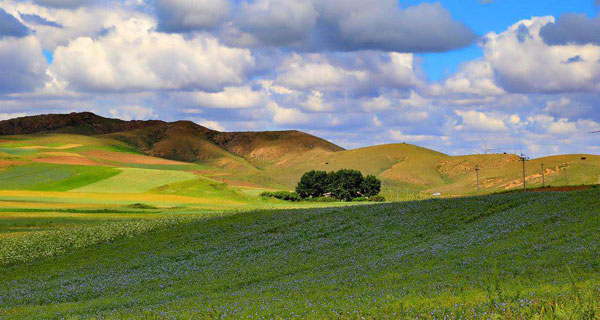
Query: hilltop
270, 159
181, 140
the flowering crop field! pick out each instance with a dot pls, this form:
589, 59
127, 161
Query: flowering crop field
508, 256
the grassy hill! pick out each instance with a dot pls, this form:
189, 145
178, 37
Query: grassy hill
509, 256
246, 161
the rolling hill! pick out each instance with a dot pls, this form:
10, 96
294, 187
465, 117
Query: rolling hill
509, 256
270, 159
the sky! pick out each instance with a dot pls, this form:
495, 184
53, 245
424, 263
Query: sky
457, 76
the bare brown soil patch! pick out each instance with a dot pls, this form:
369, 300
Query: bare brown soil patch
130, 158
7, 163
560, 189
74, 160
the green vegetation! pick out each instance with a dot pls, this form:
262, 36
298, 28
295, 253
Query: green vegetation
282, 195
525, 255
343, 184
133, 180
50, 177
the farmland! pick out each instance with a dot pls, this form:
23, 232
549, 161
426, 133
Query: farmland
165, 220
511, 255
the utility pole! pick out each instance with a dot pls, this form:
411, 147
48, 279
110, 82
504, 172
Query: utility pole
543, 177
477, 174
523, 158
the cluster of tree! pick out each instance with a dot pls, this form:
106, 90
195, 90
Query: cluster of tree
344, 185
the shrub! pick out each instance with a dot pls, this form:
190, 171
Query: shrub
377, 198
283, 195
360, 199
323, 199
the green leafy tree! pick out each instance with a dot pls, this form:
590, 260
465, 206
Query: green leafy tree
345, 184
371, 186
313, 184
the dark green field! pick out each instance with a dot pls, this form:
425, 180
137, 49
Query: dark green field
510, 256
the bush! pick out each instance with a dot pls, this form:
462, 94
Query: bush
377, 199
360, 199
323, 199
283, 195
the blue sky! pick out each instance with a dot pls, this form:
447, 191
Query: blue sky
440, 74
493, 16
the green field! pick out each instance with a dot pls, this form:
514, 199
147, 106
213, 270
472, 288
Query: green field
50, 177
132, 180
94, 227
525, 255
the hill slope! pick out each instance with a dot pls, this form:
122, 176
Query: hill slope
275, 159
503, 256
181, 140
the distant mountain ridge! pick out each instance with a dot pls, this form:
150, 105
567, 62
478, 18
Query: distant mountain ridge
180, 140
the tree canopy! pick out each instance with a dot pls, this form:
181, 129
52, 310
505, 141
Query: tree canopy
344, 184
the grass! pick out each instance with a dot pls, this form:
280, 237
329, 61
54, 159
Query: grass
133, 180
50, 177
531, 255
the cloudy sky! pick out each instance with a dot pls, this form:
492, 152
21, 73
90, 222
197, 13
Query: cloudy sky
440, 74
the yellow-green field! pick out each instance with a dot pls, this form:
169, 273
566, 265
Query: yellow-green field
91, 227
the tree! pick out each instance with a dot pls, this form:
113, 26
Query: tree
313, 184
345, 184
371, 186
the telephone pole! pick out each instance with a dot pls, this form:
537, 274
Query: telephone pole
523, 158
543, 177
477, 175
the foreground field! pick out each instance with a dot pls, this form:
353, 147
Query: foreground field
509, 256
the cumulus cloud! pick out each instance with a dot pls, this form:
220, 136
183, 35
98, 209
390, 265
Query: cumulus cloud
356, 74
11, 26
132, 57
189, 15
474, 77
345, 25
229, 98
22, 65
479, 121
133, 113
531, 65
275, 22
572, 28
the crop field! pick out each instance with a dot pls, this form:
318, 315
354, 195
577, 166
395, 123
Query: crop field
507, 256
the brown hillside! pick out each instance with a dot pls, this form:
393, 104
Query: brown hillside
181, 140
78, 123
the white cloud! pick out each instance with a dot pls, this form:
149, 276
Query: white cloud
132, 57
302, 74
285, 116
479, 121
133, 113
474, 77
229, 98
522, 62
